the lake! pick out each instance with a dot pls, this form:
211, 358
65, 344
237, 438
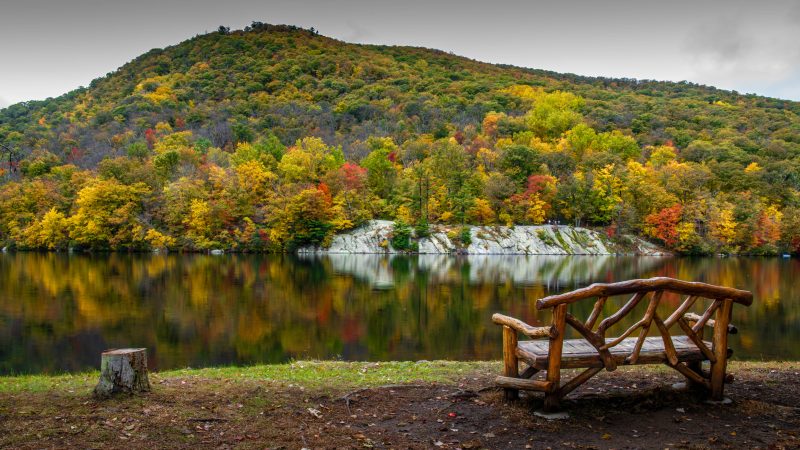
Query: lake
58, 312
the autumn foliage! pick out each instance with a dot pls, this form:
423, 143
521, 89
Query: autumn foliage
275, 137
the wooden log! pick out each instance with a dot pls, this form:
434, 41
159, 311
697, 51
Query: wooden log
510, 361
690, 374
551, 397
122, 371
697, 366
701, 322
720, 348
644, 323
519, 383
648, 285
579, 379
692, 317
596, 310
678, 313
622, 312
669, 346
529, 372
522, 327
648, 316
596, 340
698, 341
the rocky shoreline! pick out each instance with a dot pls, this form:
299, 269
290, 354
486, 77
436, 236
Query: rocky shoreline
375, 238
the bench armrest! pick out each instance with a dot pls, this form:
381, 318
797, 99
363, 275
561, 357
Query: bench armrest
692, 317
524, 328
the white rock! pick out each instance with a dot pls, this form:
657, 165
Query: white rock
374, 238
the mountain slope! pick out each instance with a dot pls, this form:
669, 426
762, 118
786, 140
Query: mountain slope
296, 84
404, 114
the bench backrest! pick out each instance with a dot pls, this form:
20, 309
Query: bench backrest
722, 299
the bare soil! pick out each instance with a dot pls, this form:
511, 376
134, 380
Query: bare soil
626, 409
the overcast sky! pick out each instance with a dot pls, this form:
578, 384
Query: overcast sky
50, 47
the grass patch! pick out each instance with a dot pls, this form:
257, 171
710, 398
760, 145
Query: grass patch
323, 375
41, 383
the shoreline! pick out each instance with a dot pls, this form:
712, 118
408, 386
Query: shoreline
322, 252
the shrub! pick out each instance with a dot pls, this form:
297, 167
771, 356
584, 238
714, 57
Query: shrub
422, 229
401, 237
465, 236
545, 238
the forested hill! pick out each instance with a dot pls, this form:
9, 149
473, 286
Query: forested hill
274, 137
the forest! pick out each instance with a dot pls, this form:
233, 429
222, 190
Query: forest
275, 137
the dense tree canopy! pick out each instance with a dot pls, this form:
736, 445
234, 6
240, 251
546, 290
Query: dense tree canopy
275, 137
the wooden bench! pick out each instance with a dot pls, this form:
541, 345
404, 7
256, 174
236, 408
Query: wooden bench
595, 352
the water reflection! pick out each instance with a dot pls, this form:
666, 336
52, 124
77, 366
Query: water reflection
58, 312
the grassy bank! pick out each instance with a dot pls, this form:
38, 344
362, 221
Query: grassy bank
328, 404
325, 376
322, 375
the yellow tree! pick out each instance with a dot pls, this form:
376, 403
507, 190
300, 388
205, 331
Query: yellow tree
107, 215
309, 160
606, 194
481, 212
722, 225
51, 232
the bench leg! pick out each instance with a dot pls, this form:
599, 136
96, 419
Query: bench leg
510, 361
552, 401
552, 398
696, 367
720, 350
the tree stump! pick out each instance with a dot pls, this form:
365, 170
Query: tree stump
122, 371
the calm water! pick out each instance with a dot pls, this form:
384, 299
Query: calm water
58, 312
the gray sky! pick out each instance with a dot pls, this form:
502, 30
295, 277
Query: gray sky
50, 47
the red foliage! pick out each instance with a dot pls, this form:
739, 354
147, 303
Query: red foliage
179, 122
795, 245
326, 193
665, 224
459, 137
150, 137
392, 156
611, 230
537, 183
353, 176
74, 154
767, 230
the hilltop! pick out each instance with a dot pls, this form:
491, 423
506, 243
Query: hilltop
275, 137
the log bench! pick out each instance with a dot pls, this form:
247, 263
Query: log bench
547, 349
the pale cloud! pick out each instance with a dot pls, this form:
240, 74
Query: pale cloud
748, 53
731, 44
3, 103
357, 33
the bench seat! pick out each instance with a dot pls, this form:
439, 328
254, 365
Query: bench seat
579, 353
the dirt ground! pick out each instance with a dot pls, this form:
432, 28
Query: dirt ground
624, 409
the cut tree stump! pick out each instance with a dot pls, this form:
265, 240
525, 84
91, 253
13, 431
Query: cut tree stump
122, 371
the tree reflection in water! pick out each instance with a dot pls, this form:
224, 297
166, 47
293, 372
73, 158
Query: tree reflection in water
59, 311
